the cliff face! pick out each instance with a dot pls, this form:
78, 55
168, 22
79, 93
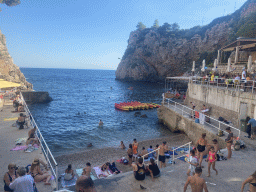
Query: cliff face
157, 57
152, 54
8, 70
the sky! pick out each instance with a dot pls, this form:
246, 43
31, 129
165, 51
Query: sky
93, 34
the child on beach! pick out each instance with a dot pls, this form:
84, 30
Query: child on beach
193, 161
69, 173
212, 158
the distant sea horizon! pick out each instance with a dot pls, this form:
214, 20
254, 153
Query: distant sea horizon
81, 97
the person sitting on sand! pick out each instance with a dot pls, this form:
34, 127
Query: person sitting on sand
85, 184
101, 123
69, 173
130, 154
139, 170
112, 167
197, 184
38, 175
87, 170
9, 177
21, 108
143, 152
252, 182
122, 146
193, 161
153, 169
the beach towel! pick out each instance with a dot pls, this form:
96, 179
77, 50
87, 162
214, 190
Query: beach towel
80, 171
182, 149
20, 140
171, 153
11, 119
101, 174
69, 183
17, 148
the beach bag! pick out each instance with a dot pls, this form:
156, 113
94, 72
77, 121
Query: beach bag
125, 161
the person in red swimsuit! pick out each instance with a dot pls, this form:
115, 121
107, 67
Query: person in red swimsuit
212, 158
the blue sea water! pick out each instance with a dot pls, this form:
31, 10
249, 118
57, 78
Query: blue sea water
81, 98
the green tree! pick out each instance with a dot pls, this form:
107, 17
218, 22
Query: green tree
156, 24
141, 26
175, 27
10, 3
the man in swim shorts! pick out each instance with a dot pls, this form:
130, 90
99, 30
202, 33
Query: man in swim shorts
162, 149
197, 184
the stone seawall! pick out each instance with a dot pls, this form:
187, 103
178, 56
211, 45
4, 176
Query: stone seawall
176, 122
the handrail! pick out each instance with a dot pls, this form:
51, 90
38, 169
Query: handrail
190, 112
157, 160
47, 152
189, 145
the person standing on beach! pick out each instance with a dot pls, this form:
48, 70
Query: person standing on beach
252, 183
252, 122
130, 154
193, 161
229, 142
162, 149
196, 182
135, 149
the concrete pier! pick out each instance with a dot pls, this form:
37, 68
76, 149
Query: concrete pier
9, 134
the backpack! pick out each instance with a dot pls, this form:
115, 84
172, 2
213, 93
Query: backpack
125, 161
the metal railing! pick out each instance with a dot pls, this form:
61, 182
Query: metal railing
237, 84
173, 152
47, 152
207, 120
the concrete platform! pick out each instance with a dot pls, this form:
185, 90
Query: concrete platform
8, 135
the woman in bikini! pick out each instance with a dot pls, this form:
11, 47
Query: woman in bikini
9, 177
38, 175
252, 181
201, 146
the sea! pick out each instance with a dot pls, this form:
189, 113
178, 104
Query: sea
81, 98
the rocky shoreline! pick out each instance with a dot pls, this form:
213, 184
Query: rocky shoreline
97, 157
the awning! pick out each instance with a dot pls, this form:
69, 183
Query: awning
8, 84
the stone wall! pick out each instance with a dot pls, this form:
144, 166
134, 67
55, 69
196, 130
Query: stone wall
174, 121
222, 102
36, 97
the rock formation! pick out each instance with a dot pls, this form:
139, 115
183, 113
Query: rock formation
8, 70
152, 55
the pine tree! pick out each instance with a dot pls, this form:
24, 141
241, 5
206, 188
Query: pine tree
141, 26
156, 24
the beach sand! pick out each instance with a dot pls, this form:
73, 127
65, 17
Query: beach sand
98, 157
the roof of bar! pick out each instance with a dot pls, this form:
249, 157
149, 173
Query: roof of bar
243, 43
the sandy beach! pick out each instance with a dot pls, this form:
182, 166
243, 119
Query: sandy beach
97, 157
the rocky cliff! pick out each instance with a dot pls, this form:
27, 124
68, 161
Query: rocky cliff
8, 70
154, 53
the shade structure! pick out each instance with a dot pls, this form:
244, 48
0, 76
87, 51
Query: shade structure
249, 65
229, 65
203, 66
193, 67
218, 57
7, 84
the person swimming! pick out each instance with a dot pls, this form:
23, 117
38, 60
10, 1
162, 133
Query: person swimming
101, 123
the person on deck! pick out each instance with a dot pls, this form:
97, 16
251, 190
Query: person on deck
229, 141
252, 182
196, 182
38, 175
162, 149
139, 170
9, 177
252, 122
153, 169
201, 144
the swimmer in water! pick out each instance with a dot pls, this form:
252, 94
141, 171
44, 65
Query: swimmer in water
100, 123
